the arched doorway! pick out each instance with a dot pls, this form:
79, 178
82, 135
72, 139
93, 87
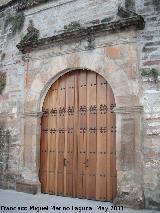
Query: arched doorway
78, 138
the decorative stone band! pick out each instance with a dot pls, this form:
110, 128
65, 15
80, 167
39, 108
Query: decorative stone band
6, 115
22, 115
31, 41
128, 110
39, 114
21, 4
116, 110
32, 114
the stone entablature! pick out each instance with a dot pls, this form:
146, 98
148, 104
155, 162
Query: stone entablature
129, 20
21, 4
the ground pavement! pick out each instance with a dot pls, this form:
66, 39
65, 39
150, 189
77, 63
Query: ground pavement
17, 202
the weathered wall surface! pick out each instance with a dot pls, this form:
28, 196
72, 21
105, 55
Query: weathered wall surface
62, 13
112, 58
65, 13
11, 99
48, 19
26, 78
149, 53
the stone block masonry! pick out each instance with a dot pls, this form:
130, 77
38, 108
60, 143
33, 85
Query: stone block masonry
149, 52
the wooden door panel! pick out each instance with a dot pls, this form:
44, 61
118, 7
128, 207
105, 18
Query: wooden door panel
111, 144
82, 134
101, 139
91, 135
76, 139
69, 135
52, 122
61, 135
78, 153
44, 147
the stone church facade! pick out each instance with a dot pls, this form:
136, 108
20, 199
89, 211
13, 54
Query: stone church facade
41, 41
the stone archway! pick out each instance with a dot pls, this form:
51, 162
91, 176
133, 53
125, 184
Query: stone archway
128, 116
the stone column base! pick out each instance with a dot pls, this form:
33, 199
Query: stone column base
131, 199
31, 188
3, 185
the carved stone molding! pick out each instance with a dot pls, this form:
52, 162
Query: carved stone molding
31, 41
32, 114
22, 4
31, 37
125, 13
128, 110
124, 110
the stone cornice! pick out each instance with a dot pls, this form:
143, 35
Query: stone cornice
7, 4
23, 4
26, 4
29, 42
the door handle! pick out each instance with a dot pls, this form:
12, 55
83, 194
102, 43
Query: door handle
65, 162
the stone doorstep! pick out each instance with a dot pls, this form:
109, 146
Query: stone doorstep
31, 188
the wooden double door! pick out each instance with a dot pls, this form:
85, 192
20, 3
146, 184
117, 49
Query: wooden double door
78, 136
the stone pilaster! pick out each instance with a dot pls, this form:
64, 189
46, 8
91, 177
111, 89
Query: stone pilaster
129, 157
